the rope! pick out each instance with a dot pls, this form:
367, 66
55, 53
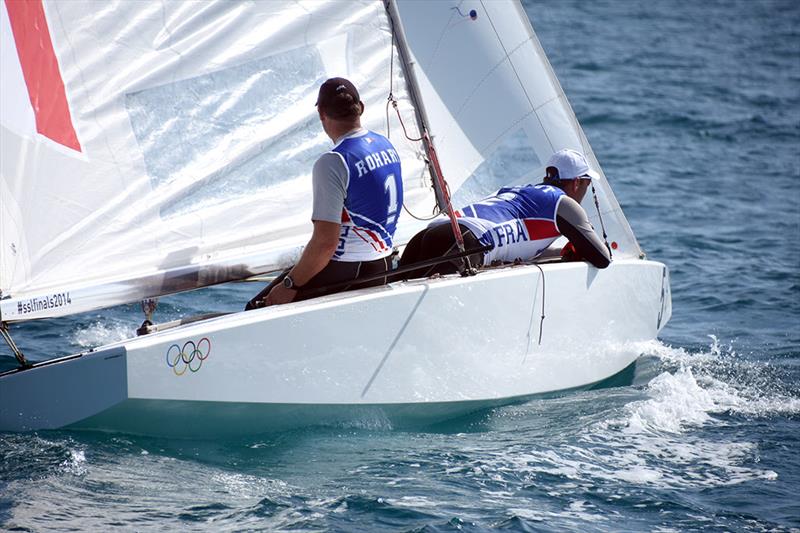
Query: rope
394, 104
602, 226
391, 100
391, 81
444, 200
320, 291
541, 322
436, 213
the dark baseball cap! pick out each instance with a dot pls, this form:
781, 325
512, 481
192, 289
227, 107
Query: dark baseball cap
339, 98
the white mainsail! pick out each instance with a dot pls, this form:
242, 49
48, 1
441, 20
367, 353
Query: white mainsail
197, 134
195, 131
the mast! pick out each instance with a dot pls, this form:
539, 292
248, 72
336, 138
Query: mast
439, 183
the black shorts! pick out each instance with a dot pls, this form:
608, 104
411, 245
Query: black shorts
438, 241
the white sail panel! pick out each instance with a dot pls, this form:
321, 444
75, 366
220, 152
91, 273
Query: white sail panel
494, 105
196, 144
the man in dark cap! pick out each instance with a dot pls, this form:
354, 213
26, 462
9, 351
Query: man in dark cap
358, 191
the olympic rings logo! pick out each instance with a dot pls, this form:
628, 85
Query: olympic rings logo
191, 356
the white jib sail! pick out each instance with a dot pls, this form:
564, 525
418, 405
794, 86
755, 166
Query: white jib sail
493, 104
150, 147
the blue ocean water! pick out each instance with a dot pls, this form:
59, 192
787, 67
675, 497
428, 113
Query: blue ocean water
693, 109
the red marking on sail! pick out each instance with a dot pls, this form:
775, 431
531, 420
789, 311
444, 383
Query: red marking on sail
540, 229
40, 69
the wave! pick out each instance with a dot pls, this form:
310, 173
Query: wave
732, 383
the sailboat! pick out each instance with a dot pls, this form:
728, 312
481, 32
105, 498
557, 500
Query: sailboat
150, 148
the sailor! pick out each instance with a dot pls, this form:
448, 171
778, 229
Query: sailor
519, 222
358, 190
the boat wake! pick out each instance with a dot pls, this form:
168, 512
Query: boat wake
678, 430
684, 433
721, 381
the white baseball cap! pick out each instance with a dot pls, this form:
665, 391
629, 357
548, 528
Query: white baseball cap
570, 165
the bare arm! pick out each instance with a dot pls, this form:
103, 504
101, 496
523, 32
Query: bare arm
316, 255
318, 251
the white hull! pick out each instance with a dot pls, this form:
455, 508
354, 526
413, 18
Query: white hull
412, 352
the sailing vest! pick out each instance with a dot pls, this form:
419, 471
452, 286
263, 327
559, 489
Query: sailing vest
373, 199
519, 222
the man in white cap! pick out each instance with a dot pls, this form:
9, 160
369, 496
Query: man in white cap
519, 222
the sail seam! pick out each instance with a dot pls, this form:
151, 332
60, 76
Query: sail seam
441, 37
508, 54
519, 80
526, 115
505, 58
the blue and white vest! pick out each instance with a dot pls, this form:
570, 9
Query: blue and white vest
519, 222
373, 200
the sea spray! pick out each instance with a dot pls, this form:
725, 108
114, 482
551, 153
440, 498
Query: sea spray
101, 332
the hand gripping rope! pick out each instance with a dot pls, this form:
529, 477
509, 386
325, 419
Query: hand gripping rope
149, 306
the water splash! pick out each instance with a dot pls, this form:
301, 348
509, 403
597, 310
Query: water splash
676, 400
677, 436
722, 381
677, 431
102, 332
76, 463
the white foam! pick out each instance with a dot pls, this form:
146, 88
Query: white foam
412, 502
672, 435
76, 464
102, 332
247, 486
662, 439
724, 381
676, 400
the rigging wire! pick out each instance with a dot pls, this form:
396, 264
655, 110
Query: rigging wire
391, 99
439, 183
600, 217
391, 83
393, 102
